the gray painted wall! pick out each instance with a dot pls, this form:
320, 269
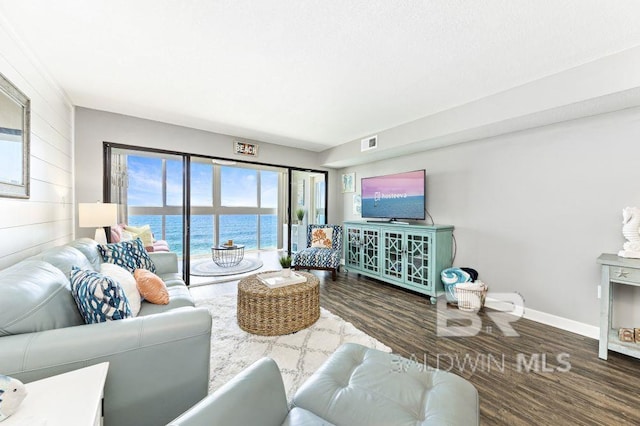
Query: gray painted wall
604, 85
93, 127
45, 219
533, 210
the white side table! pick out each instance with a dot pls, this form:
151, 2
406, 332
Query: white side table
619, 271
69, 399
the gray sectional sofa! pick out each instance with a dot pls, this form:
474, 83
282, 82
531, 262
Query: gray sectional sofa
158, 361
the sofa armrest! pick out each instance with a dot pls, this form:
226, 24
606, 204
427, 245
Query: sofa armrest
166, 262
158, 364
256, 396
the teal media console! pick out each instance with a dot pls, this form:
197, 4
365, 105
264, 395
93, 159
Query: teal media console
409, 256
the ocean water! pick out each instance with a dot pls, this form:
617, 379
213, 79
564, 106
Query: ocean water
242, 229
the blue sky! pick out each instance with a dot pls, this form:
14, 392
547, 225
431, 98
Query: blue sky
239, 185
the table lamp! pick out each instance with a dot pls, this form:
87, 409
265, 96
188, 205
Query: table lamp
97, 215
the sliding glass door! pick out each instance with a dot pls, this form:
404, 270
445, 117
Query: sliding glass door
195, 202
238, 202
308, 205
149, 190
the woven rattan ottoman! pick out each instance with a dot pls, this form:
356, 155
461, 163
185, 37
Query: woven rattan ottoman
283, 310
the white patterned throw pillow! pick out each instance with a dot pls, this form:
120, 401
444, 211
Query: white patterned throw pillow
126, 281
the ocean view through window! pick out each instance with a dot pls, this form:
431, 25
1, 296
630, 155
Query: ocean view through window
238, 203
239, 228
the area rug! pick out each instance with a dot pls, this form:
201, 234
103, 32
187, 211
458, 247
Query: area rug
298, 355
207, 268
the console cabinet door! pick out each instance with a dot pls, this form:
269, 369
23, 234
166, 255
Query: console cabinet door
392, 255
362, 249
371, 250
418, 252
353, 247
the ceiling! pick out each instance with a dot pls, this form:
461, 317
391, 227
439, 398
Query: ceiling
309, 74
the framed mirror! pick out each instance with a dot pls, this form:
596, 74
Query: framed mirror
15, 112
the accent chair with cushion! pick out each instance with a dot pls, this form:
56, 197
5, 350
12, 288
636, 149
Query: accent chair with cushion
355, 386
324, 249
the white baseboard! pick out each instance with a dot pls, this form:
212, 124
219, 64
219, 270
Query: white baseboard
559, 322
563, 323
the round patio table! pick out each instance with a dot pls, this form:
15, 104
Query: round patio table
227, 256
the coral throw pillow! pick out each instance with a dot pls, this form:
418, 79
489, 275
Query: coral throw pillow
321, 237
151, 287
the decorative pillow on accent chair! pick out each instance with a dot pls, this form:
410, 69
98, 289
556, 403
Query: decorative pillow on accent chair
126, 281
151, 287
99, 298
131, 255
322, 237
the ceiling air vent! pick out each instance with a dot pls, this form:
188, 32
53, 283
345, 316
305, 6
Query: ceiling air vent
369, 143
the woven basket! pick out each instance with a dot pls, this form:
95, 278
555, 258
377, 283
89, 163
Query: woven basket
278, 311
471, 300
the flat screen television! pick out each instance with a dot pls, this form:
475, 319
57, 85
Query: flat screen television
395, 196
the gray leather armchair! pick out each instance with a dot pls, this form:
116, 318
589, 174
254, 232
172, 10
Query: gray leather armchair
355, 386
254, 397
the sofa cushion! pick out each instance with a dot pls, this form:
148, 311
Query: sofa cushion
126, 281
64, 258
131, 255
89, 248
99, 298
179, 297
35, 296
317, 257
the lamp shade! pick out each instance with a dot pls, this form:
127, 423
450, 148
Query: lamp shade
92, 215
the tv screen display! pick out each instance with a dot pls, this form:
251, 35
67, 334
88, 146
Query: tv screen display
396, 196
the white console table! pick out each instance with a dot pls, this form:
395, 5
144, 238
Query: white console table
619, 271
69, 399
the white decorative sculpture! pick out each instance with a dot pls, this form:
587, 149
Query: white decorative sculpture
631, 231
12, 392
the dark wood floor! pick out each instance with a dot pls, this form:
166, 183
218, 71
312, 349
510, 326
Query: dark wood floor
592, 392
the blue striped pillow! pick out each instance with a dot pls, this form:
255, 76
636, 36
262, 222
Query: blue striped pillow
131, 255
99, 298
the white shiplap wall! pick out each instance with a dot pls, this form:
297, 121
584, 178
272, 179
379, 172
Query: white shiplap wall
46, 219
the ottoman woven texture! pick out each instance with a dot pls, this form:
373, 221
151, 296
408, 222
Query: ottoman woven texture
277, 311
362, 386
